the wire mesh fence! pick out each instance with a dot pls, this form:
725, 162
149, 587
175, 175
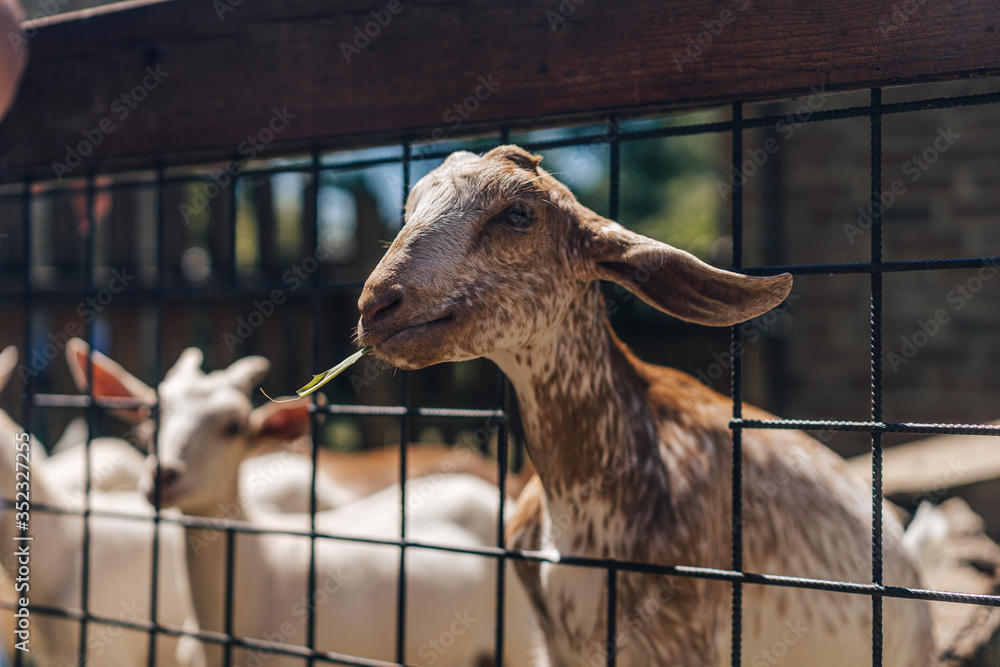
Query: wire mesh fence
161, 295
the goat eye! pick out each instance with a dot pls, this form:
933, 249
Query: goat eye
231, 429
518, 216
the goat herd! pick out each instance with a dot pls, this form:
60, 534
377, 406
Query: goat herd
497, 259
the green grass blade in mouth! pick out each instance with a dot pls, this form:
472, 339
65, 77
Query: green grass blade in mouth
321, 379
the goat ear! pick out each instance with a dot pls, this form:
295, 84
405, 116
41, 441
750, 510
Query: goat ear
8, 361
460, 156
295, 444
682, 285
281, 421
189, 363
247, 373
517, 155
110, 380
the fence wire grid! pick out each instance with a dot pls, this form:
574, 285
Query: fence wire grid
35, 401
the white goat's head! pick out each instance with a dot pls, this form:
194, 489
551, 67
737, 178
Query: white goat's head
207, 423
204, 430
495, 250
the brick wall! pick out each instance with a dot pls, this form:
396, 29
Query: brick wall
941, 176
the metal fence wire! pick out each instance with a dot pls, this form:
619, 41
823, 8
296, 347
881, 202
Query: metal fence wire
35, 401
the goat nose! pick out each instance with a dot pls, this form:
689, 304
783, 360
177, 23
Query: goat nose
373, 303
163, 480
168, 476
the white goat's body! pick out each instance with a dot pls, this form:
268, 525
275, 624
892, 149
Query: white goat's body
115, 465
450, 597
120, 564
274, 482
120, 582
120, 568
281, 482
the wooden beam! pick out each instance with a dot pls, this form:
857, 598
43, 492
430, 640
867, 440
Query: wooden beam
936, 464
150, 78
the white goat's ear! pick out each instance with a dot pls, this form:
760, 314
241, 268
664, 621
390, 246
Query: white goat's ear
247, 373
679, 283
189, 363
110, 380
280, 422
8, 361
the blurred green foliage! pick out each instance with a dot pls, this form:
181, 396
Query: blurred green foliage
667, 187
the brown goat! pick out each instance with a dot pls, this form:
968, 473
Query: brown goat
498, 259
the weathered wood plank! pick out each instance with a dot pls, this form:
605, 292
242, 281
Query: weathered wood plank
224, 67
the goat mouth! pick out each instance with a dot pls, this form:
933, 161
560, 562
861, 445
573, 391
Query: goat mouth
403, 334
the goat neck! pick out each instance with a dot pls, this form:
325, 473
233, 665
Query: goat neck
593, 430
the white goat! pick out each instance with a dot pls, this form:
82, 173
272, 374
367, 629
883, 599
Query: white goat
115, 465
450, 597
498, 259
120, 568
273, 481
